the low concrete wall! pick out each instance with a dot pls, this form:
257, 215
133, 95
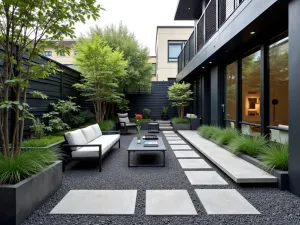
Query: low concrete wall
19, 201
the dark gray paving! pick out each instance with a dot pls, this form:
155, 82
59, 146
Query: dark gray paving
275, 206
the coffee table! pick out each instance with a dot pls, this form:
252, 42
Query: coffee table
135, 147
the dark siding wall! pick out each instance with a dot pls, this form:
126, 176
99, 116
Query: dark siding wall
205, 92
154, 101
215, 96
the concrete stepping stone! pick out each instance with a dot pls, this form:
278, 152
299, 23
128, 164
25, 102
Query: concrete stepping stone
102, 202
168, 132
171, 135
174, 138
169, 202
193, 164
224, 201
180, 147
186, 154
177, 142
205, 178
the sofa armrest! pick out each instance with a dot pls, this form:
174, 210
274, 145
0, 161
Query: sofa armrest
110, 132
67, 145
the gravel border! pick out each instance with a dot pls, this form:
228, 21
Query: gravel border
276, 207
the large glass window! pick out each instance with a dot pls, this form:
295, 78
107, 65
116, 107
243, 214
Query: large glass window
230, 105
251, 90
174, 49
154, 69
279, 80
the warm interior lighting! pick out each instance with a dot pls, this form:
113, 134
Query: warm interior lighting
253, 32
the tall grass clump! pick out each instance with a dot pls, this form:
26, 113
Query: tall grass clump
204, 131
210, 131
215, 132
14, 169
251, 146
275, 156
227, 135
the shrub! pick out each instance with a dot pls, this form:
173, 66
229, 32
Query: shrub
42, 142
146, 113
38, 129
251, 146
14, 169
204, 131
275, 156
106, 125
178, 120
227, 136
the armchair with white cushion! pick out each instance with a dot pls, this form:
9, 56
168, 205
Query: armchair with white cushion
125, 124
91, 142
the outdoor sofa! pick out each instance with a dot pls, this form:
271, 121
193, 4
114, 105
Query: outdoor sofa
91, 143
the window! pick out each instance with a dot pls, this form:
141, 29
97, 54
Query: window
62, 54
174, 49
279, 81
48, 53
154, 69
251, 93
231, 73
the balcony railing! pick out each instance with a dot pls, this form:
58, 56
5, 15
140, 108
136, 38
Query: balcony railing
214, 16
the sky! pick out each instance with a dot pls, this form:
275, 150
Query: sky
141, 17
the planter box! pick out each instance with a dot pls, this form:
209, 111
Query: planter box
19, 201
282, 176
54, 145
195, 123
182, 126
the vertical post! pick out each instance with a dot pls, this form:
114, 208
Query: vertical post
264, 90
239, 102
294, 93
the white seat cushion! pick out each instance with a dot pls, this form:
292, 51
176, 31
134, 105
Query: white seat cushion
89, 133
97, 130
107, 141
124, 120
75, 138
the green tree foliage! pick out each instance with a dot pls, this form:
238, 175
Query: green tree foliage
26, 28
102, 72
139, 71
180, 94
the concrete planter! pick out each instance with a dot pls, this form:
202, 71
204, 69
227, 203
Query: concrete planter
19, 201
183, 126
282, 176
54, 145
195, 123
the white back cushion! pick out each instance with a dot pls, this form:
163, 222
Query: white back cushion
75, 138
89, 133
97, 130
124, 120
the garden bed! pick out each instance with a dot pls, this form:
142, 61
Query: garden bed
282, 176
19, 201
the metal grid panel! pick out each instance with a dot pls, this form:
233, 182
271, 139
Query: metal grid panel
186, 53
192, 46
226, 8
211, 20
180, 61
200, 34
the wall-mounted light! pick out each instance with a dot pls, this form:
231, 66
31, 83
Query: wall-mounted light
210, 62
189, 8
203, 67
252, 32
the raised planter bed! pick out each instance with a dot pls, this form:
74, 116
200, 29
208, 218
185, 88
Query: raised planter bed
282, 176
183, 126
19, 201
195, 123
54, 145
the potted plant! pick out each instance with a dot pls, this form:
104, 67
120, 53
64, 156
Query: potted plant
164, 114
180, 95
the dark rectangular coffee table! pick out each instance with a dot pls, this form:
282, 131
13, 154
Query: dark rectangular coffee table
135, 147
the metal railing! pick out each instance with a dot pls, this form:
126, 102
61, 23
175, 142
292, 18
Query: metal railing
212, 19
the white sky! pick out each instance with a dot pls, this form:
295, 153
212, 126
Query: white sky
141, 17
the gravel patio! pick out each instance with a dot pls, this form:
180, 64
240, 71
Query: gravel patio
275, 206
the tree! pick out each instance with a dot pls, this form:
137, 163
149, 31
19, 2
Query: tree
26, 28
139, 71
102, 71
180, 94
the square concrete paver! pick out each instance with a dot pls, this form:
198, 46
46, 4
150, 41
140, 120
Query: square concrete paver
168, 132
169, 202
180, 147
173, 138
171, 135
225, 201
172, 142
186, 154
103, 202
193, 164
205, 178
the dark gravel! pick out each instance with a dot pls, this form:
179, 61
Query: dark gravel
276, 207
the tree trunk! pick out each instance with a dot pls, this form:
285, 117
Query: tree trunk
15, 139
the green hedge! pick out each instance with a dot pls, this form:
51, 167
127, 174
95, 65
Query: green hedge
177, 120
106, 125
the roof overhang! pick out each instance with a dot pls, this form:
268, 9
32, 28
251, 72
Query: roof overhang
188, 10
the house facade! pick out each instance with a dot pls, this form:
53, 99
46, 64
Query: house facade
169, 43
243, 61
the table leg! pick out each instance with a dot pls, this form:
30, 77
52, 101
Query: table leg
128, 158
164, 158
